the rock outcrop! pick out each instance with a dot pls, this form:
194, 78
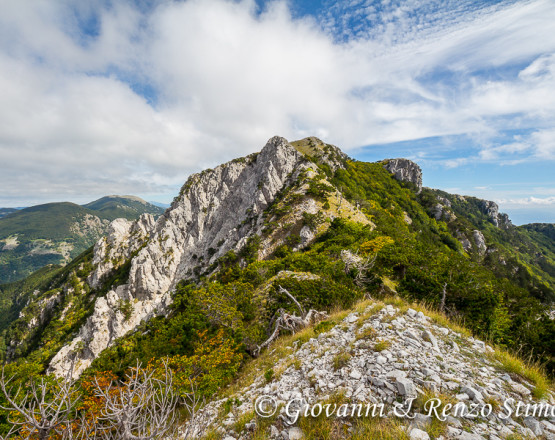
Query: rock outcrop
442, 210
385, 355
491, 209
405, 170
479, 241
216, 211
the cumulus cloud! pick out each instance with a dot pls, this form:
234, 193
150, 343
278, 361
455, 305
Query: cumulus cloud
117, 98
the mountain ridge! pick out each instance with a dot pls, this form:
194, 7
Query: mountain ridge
54, 233
300, 217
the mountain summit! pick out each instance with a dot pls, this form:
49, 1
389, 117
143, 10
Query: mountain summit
217, 211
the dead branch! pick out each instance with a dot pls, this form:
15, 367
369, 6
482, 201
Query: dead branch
443, 295
192, 403
301, 308
362, 266
141, 408
288, 322
42, 409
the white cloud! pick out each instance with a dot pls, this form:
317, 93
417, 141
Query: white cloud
224, 78
528, 201
544, 144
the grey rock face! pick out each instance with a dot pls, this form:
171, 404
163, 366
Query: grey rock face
418, 434
469, 436
124, 237
472, 393
479, 241
491, 209
216, 211
532, 424
406, 387
442, 211
406, 171
428, 336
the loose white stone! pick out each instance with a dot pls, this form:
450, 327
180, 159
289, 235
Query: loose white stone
417, 434
295, 433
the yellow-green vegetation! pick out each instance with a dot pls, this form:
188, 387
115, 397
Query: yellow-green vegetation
390, 285
324, 326
378, 429
382, 345
235, 300
374, 428
495, 404
364, 428
429, 399
54, 233
323, 427
341, 360
281, 348
532, 372
267, 360
366, 333
366, 309
269, 375
245, 418
212, 435
439, 318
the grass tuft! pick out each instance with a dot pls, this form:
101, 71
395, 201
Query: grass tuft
341, 360
382, 345
533, 372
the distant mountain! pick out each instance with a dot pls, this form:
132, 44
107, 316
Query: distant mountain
6, 211
160, 205
128, 207
55, 233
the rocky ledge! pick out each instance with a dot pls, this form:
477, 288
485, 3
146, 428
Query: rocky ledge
387, 355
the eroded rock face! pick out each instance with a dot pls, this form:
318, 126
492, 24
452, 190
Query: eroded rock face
479, 241
491, 209
406, 171
442, 210
124, 237
216, 211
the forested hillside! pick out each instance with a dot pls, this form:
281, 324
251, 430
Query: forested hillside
55, 233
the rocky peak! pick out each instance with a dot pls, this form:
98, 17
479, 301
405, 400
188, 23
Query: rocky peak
216, 211
491, 209
320, 152
405, 170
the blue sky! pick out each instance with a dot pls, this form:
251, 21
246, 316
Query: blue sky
130, 97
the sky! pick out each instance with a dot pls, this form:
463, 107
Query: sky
130, 97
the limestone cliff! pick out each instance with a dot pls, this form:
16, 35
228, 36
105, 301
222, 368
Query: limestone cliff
216, 211
491, 209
